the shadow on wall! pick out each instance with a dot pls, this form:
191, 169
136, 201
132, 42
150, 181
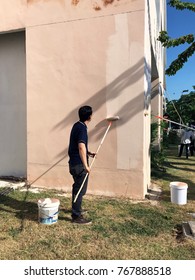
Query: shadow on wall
111, 92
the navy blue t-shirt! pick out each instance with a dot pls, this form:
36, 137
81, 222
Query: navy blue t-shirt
78, 135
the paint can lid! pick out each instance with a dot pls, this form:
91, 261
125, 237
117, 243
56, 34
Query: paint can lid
48, 202
179, 185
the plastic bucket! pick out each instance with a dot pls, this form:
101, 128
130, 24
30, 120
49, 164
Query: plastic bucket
48, 210
178, 192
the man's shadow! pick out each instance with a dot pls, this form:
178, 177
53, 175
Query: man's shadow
22, 209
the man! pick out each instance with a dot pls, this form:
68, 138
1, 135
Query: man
78, 161
185, 141
192, 148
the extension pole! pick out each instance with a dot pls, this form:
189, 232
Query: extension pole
158, 117
51, 167
85, 178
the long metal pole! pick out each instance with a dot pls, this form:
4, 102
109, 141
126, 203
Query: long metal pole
167, 120
46, 171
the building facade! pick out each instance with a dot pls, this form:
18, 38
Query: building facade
58, 55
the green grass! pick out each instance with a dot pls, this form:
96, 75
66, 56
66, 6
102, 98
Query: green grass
121, 229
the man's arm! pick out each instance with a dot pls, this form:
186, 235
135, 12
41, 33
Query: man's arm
83, 156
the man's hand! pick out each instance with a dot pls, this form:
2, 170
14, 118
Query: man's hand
87, 169
91, 154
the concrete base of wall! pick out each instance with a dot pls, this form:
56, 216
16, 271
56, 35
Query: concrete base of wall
114, 183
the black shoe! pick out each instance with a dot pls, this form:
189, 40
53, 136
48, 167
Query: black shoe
81, 220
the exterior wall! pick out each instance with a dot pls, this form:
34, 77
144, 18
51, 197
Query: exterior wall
147, 100
86, 54
68, 67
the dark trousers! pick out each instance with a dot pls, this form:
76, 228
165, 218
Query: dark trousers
192, 149
78, 173
186, 148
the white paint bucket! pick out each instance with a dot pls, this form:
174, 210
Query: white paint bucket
48, 210
178, 192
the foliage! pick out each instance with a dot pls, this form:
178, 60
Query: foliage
166, 41
154, 129
173, 138
181, 5
185, 106
157, 155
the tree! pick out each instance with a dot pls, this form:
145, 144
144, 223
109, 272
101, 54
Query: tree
166, 41
186, 107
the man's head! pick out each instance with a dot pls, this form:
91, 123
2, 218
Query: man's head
85, 113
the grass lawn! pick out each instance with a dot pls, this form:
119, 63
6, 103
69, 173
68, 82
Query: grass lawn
122, 229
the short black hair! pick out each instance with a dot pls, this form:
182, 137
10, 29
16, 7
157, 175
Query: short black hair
84, 113
166, 115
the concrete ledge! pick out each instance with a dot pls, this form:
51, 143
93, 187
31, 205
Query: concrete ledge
188, 231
